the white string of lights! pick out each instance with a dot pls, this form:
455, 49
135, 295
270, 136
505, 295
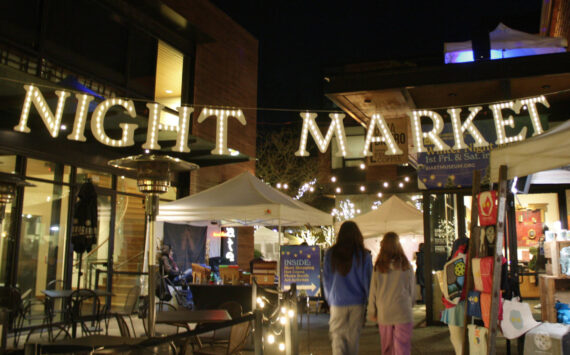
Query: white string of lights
274, 325
308, 186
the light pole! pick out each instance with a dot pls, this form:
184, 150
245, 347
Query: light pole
153, 178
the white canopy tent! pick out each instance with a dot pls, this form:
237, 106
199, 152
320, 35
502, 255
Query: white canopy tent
505, 43
242, 200
394, 215
546, 156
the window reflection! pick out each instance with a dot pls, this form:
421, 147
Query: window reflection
42, 242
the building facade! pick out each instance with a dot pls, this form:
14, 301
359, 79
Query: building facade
112, 61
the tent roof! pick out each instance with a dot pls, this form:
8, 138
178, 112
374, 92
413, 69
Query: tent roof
504, 37
393, 215
547, 151
243, 200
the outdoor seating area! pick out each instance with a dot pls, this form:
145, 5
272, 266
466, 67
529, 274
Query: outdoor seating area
86, 323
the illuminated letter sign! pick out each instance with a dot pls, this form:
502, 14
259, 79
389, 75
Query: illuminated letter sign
309, 125
386, 136
230, 254
468, 125
51, 121
98, 119
222, 127
433, 135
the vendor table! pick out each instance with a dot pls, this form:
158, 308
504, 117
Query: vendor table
209, 296
201, 316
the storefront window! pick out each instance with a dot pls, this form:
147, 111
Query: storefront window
8, 164
443, 229
97, 178
96, 258
47, 170
534, 213
42, 241
129, 238
6, 242
127, 185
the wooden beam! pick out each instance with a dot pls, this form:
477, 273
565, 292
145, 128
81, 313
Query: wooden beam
472, 251
498, 259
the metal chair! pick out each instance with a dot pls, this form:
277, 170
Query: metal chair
238, 337
84, 308
222, 336
11, 299
128, 309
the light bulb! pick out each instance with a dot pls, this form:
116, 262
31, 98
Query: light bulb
271, 339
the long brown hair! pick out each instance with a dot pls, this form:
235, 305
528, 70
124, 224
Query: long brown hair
391, 251
349, 242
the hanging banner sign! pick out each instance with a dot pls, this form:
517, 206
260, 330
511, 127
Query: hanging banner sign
399, 129
453, 168
301, 264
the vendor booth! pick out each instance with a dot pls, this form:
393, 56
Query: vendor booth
394, 215
544, 160
241, 201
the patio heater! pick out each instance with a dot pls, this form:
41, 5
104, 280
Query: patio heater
153, 178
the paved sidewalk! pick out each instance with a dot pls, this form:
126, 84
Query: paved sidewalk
314, 338
425, 340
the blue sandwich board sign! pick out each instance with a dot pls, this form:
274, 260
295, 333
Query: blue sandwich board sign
301, 264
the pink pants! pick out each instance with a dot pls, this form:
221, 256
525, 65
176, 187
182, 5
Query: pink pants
396, 339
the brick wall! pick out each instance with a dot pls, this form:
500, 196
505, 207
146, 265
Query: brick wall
225, 75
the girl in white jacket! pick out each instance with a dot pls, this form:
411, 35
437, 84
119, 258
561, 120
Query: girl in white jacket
392, 297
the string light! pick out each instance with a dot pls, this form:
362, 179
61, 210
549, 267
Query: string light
333, 178
309, 186
346, 211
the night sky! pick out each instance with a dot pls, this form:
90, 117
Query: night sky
299, 39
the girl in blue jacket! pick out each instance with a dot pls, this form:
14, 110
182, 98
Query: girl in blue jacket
346, 280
